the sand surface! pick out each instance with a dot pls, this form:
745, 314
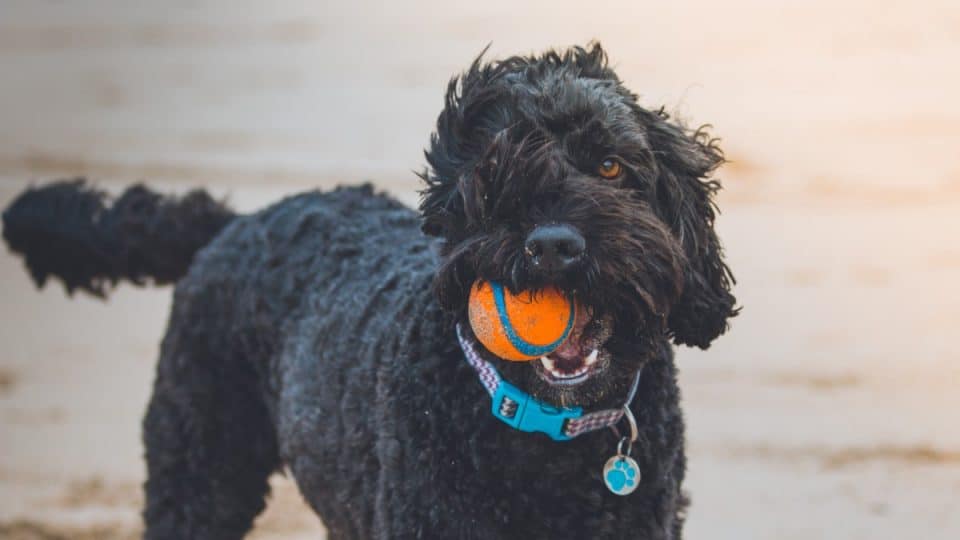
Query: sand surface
830, 410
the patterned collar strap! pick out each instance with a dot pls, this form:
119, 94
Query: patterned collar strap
521, 411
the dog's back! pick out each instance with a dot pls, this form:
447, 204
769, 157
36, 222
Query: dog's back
274, 340
271, 355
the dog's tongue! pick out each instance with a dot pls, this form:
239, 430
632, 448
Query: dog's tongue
571, 348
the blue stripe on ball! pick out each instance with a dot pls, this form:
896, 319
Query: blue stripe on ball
525, 348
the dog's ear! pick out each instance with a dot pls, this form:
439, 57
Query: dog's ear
440, 200
440, 203
684, 192
454, 144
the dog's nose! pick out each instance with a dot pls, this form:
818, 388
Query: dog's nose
554, 248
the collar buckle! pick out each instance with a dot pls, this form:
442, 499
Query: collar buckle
519, 410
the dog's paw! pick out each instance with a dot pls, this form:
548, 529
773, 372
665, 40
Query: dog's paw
620, 476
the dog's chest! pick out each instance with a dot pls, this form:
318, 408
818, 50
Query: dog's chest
392, 431
430, 442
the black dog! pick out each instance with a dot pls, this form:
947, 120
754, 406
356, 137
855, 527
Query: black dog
320, 334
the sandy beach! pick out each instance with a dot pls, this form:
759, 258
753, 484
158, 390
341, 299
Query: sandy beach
830, 409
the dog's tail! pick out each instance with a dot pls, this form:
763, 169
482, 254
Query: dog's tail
73, 231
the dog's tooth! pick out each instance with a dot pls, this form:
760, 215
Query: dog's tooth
592, 357
548, 363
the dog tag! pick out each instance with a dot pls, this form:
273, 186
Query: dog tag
621, 474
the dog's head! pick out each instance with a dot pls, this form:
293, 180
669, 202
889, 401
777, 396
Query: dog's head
544, 170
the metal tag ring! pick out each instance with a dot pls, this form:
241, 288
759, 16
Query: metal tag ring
620, 451
634, 432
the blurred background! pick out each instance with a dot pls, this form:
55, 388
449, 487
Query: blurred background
830, 409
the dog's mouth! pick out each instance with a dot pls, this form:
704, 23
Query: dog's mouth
581, 356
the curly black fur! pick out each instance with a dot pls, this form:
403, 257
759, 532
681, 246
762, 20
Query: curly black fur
65, 229
317, 334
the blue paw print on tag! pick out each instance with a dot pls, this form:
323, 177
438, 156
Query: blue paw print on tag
620, 476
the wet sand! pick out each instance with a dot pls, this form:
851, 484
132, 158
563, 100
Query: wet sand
829, 410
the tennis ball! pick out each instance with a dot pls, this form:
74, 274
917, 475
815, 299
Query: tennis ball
521, 326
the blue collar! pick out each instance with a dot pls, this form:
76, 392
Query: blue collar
522, 411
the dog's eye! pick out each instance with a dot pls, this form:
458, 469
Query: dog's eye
610, 168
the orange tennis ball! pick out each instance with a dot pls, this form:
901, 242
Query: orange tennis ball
521, 326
